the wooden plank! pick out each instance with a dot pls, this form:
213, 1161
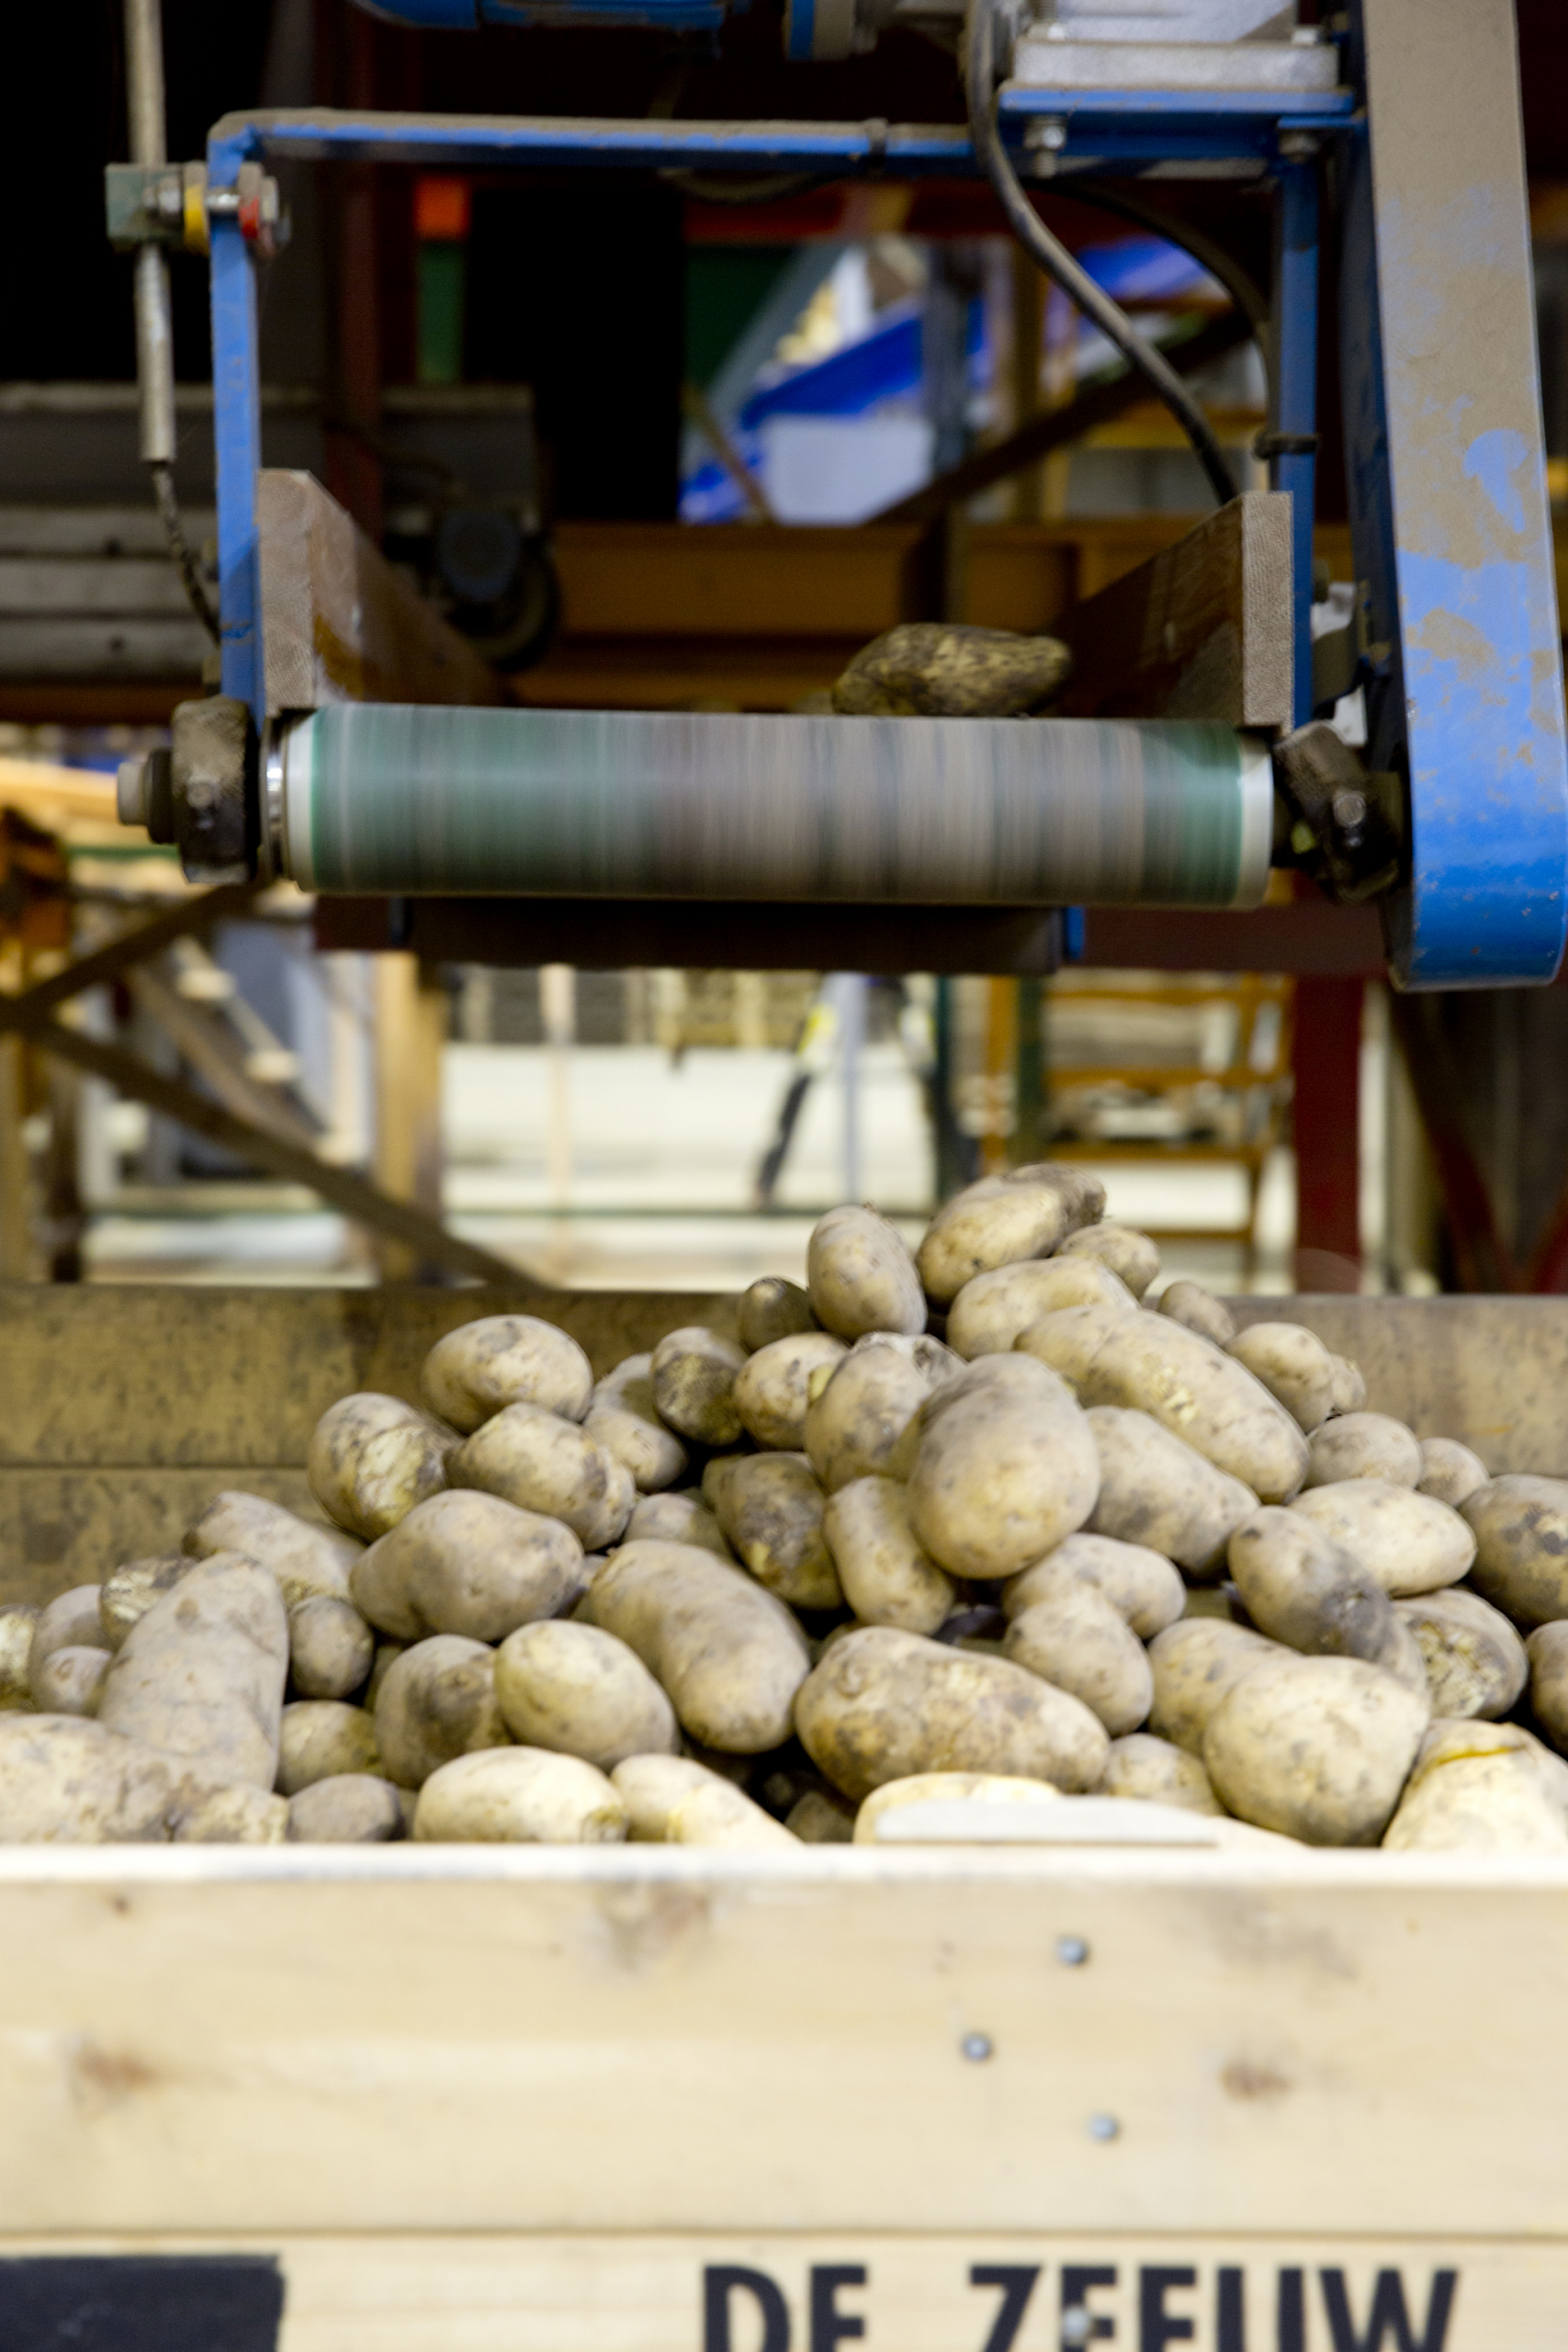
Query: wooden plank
1202, 630
340, 623
410, 1032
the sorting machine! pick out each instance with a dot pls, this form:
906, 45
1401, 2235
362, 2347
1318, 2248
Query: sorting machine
1395, 131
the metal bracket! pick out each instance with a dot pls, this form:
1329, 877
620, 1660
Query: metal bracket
171, 203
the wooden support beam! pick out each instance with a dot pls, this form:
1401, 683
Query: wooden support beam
411, 1029
215, 1053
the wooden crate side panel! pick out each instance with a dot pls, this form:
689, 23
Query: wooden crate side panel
61, 1527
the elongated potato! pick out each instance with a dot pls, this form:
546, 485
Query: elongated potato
71, 1621
1521, 1546
129, 1591
1315, 1748
504, 1359
1363, 1445
1006, 1468
306, 1560
371, 1459
1076, 1641
345, 1809
719, 1814
888, 1577
519, 1796
1547, 1649
882, 1704
1410, 1543
331, 1647
578, 1690
1449, 1472
773, 1387
991, 1313
467, 1563
1131, 1257
201, 1674
539, 1463
1475, 1662
1150, 1364
1350, 1386
946, 1788
437, 1700
861, 1420
1199, 1310
1140, 1584
730, 1654
769, 1506
1293, 1365
623, 1419
216, 1815
651, 1787
66, 1779
1158, 1491
1023, 1213
773, 1308
694, 1385
859, 1276
18, 1619
678, 1519
1194, 1664
69, 1681
1478, 1789
1304, 1589
1144, 1766
323, 1739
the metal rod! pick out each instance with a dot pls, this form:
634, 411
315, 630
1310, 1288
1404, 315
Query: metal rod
144, 81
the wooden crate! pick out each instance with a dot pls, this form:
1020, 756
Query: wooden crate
479, 2099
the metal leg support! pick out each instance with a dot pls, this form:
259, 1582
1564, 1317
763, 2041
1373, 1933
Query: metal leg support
1295, 391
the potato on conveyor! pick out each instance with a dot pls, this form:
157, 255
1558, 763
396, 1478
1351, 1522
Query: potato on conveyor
71, 1680
1293, 1365
861, 1420
578, 1690
948, 1788
1318, 1748
129, 1591
769, 1506
1025, 1212
623, 1419
952, 669
467, 1563
888, 1577
330, 1648
882, 1704
504, 1359
17, 1620
201, 1676
694, 1385
1547, 1649
1475, 1662
436, 1701
1364, 1445
520, 1796
1140, 1584
1478, 1788
324, 1739
539, 1463
1131, 1256
1411, 1543
771, 1309
372, 1458
1144, 1766
859, 1276
348, 1809
773, 1387
1159, 1492
1521, 1546
1199, 1310
1194, 1664
991, 1313
1301, 1587
730, 1656
678, 1519
1075, 1639
306, 1560
1006, 1468
1451, 1472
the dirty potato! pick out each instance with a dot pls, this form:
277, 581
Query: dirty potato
330, 1648
1479, 1788
129, 1591
345, 1809
1194, 1664
1363, 1445
1349, 1385
674, 1801
69, 1681
773, 1308
888, 1577
519, 1796
1475, 1662
66, 1779
1156, 1491
18, 1619
306, 1560
678, 1519
504, 1359
861, 1419
1451, 1472
1199, 1310
991, 1313
947, 1789
772, 1388
623, 1419
323, 1739
1317, 1748
1301, 1587
859, 1276
1293, 1365
694, 1385
821, 1817
437, 1700
71, 1621
1075, 1639
730, 1656
467, 1563
201, 1674
1548, 1653
1131, 1257
577, 1690
1521, 1525
1140, 1584
1411, 1543
371, 1459
770, 1507
539, 1463
1142, 1766
1023, 1213
1006, 1468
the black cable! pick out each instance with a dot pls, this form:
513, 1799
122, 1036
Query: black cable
186, 563
1206, 251
1050, 256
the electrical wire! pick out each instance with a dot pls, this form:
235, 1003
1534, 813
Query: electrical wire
1053, 257
186, 563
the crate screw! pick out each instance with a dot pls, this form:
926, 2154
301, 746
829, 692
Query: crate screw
976, 2046
1103, 2127
1071, 1951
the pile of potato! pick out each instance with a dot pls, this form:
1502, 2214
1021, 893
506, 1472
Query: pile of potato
971, 1524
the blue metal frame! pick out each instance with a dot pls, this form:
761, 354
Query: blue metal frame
1294, 389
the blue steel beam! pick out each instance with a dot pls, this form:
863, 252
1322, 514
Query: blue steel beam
1293, 386
236, 407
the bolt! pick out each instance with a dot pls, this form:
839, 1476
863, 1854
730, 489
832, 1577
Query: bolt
976, 2046
1071, 1951
1349, 811
1103, 2127
1048, 130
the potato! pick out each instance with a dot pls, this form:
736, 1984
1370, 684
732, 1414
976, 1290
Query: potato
1160, 1773
1199, 1310
70, 1680
991, 1313
345, 1809
947, 1788
861, 1420
1363, 1445
539, 1463
520, 1796
437, 1701
1130, 1255
882, 1704
1449, 1472
201, 1674
1478, 1789
859, 1276
1547, 1649
1194, 1664
129, 1591
1141, 1586
718, 1814
229, 1816
730, 1654
770, 1507
371, 1459
622, 1418
1411, 1543
771, 1390
1315, 1748
822, 1817
330, 1648
1349, 1385
1156, 1491
1301, 1587
502, 1359
1521, 1546
694, 1385
651, 1787
1078, 1642
678, 1519
467, 1563
18, 1619
306, 1560
71, 1621
1006, 1468
1194, 1390
773, 1308
324, 1739
66, 1779
1475, 1662
887, 1576
580, 1690
1023, 1213
386, 1653
1293, 1365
